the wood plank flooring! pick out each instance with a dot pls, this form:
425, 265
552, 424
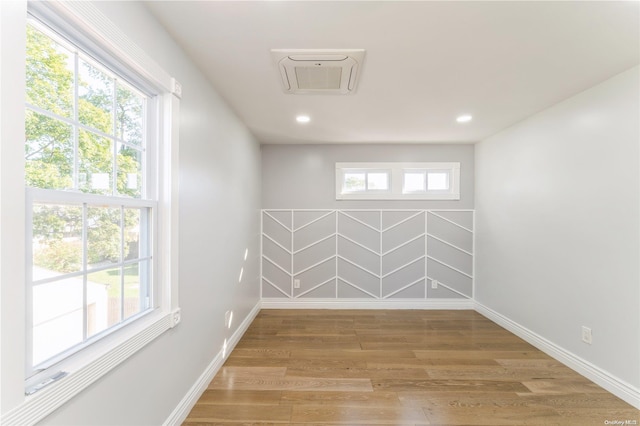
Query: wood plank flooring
362, 367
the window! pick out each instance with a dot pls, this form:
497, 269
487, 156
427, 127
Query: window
100, 177
356, 181
422, 181
398, 181
87, 177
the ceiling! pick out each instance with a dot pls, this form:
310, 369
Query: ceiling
425, 64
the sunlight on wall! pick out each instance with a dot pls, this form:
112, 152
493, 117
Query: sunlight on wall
228, 319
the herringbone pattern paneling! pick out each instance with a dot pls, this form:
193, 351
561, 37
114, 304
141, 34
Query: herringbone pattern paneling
367, 254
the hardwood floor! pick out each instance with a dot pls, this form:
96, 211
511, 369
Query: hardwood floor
363, 367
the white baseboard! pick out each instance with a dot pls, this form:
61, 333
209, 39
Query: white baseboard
618, 387
286, 303
180, 413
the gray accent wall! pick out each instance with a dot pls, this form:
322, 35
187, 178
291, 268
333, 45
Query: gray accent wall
362, 249
367, 254
558, 225
303, 176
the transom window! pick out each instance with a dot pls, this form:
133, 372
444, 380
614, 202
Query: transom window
424, 180
398, 181
90, 201
363, 181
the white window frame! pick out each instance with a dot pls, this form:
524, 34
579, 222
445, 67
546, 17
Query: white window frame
147, 201
396, 181
82, 21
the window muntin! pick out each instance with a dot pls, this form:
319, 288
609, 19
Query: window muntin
90, 214
398, 181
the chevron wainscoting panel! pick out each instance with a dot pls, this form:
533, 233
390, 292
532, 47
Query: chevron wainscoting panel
367, 254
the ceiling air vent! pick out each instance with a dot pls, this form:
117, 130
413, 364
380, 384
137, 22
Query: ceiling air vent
310, 71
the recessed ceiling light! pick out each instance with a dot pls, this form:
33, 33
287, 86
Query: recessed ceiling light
464, 118
303, 119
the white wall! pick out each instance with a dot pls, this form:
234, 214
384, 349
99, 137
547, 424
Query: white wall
557, 215
219, 218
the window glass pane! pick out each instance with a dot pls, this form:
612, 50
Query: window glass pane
129, 171
104, 299
414, 182
354, 182
57, 240
103, 236
57, 317
129, 115
437, 181
132, 234
378, 181
48, 152
49, 74
95, 164
95, 103
135, 300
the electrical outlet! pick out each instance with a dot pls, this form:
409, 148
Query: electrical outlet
296, 283
586, 335
434, 283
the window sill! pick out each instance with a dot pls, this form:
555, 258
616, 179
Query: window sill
393, 196
37, 406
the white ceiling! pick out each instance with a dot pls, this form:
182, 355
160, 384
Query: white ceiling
425, 64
